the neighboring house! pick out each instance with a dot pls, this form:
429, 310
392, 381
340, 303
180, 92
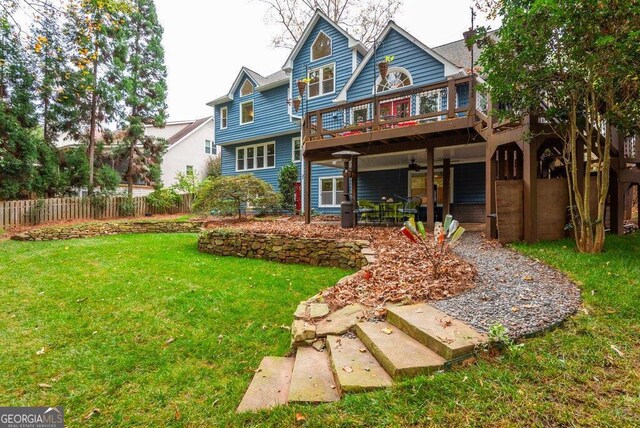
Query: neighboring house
422, 127
190, 144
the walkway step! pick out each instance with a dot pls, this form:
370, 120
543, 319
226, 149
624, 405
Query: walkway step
270, 385
399, 354
355, 368
312, 380
448, 337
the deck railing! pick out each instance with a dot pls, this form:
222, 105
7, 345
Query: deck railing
632, 148
394, 109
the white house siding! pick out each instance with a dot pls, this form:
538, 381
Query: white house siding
188, 151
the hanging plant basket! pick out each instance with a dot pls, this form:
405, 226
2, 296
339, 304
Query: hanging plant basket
296, 104
302, 86
383, 66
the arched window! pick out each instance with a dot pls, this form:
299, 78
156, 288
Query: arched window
396, 78
321, 47
246, 89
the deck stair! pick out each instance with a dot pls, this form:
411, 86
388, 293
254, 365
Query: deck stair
414, 340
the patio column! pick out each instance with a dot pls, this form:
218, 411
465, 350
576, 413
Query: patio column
638, 205
490, 193
530, 177
431, 218
446, 184
307, 191
616, 212
354, 188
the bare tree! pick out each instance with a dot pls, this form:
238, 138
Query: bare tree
363, 19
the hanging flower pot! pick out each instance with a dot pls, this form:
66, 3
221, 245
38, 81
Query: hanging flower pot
383, 66
296, 104
302, 86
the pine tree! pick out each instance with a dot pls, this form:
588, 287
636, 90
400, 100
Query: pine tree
18, 139
146, 91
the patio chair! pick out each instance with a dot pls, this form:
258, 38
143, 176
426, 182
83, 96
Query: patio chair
410, 208
367, 210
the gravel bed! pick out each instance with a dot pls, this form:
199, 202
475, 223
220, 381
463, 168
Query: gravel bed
522, 294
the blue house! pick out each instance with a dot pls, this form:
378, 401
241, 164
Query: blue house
412, 116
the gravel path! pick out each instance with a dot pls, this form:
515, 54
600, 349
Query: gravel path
522, 294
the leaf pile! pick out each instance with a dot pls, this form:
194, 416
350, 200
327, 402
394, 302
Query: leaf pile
402, 273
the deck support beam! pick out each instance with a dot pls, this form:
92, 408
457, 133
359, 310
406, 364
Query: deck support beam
446, 183
530, 176
617, 192
307, 191
431, 217
490, 193
354, 188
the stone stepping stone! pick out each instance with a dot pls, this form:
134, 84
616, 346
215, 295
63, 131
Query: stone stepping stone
340, 321
399, 354
355, 368
312, 380
311, 310
448, 337
270, 385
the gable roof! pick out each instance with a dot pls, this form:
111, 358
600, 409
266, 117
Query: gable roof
450, 68
183, 133
458, 53
353, 42
262, 83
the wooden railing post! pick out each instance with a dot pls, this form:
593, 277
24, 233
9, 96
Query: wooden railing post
451, 99
319, 124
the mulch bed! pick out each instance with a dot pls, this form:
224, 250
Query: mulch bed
402, 272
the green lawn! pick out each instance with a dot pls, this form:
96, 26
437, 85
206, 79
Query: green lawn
105, 308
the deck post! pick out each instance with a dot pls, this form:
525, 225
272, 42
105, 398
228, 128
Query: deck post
446, 182
617, 191
354, 188
638, 205
431, 218
490, 189
530, 176
307, 191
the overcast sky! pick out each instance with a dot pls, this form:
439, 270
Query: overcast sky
207, 42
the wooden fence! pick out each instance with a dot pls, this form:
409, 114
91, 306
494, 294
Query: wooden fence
33, 212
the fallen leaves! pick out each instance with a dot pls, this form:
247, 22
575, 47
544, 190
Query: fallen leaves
347, 369
617, 351
92, 413
300, 417
44, 385
363, 350
445, 322
41, 351
387, 330
169, 341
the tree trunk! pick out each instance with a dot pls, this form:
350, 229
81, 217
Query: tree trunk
92, 128
130, 172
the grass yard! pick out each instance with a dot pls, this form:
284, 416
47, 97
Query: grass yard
104, 309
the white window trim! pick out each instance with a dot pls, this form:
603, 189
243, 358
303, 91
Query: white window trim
255, 156
374, 90
240, 113
439, 101
311, 58
354, 109
320, 67
242, 86
334, 178
226, 112
436, 170
293, 149
208, 143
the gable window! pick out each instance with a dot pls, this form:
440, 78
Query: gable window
223, 117
396, 78
189, 170
208, 147
295, 149
246, 89
259, 156
246, 112
321, 47
322, 80
330, 191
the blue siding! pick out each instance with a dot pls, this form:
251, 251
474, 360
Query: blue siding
271, 115
469, 183
373, 185
342, 56
317, 172
424, 69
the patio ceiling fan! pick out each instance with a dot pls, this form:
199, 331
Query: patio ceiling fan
413, 166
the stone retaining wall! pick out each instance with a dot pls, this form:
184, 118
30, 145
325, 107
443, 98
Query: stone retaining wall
285, 249
88, 230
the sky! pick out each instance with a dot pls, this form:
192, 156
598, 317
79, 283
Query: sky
207, 42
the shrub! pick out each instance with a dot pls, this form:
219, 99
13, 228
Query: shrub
127, 207
186, 182
213, 167
235, 193
107, 179
163, 198
287, 179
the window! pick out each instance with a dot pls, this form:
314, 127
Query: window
360, 114
396, 78
208, 147
321, 47
246, 112
246, 89
295, 149
259, 156
223, 117
190, 170
322, 81
330, 191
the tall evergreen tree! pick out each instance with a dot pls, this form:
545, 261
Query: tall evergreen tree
89, 98
146, 92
